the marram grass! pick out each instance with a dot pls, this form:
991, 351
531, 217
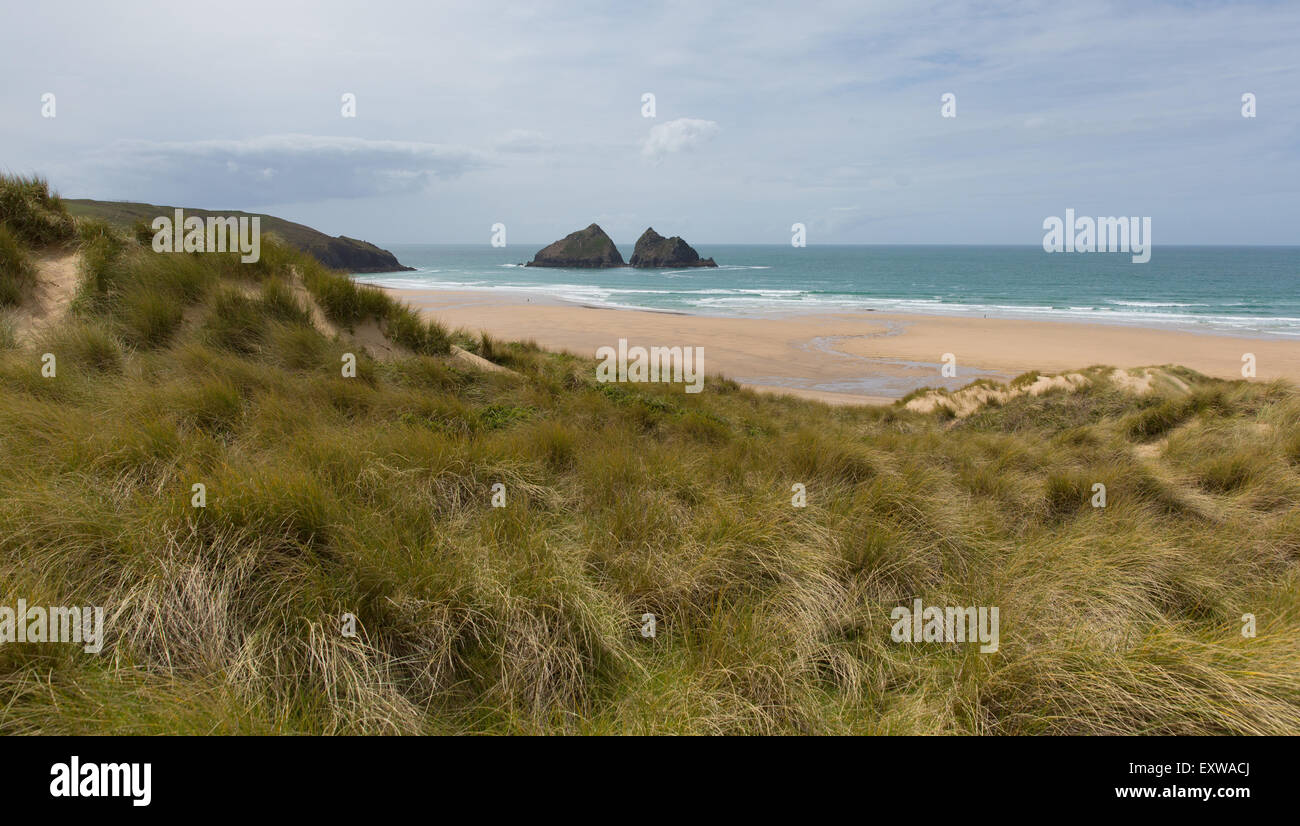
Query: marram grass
372, 496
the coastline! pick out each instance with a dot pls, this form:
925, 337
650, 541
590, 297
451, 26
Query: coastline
854, 357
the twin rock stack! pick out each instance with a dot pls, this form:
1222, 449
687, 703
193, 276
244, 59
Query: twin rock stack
591, 248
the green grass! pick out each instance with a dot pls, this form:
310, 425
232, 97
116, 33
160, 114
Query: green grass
32, 212
135, 220
17, 275
372, 496
350, 304
32, 218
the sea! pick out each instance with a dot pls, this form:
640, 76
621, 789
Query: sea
1244, 291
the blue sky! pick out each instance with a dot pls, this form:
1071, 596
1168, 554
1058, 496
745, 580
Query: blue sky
828, 114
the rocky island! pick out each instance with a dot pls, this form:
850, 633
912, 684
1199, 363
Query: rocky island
588, 248
655, 251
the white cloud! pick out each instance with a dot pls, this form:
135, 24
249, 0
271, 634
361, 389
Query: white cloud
678, 135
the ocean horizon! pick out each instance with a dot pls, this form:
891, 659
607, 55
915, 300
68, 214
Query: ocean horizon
1237, 290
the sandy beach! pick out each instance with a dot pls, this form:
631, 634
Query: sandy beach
848, 358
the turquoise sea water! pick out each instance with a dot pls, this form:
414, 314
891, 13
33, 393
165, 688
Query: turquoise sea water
1251, 291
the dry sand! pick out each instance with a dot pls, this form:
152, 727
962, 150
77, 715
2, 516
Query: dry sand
856, 357
56, 286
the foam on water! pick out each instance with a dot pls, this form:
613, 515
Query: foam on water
1239, 290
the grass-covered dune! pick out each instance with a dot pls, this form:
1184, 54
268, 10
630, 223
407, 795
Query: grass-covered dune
372, 495
31, 217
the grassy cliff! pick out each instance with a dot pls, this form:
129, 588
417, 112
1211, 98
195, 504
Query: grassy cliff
372, 496
340, 253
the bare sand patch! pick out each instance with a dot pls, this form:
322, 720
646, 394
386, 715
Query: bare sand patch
57, 277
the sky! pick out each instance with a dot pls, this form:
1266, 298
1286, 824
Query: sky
531, 115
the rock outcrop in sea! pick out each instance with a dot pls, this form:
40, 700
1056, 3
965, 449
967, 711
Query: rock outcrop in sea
655, 251
588, 248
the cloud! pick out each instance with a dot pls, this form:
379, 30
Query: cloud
523, 141
678, 135
822, 109
275, 169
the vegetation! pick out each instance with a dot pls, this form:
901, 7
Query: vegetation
341, 252
32, 213
31, 218
16, 272
372, 496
